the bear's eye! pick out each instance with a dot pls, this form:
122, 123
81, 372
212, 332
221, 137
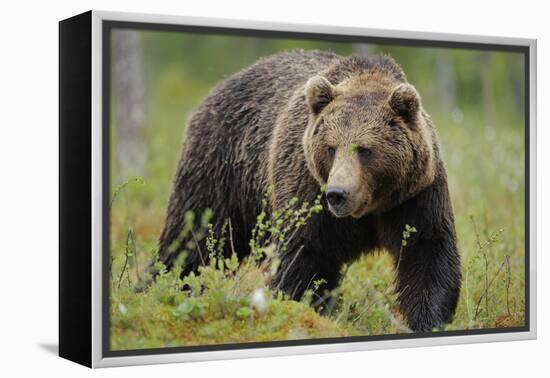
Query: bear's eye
330, 152
393, 123
363, 152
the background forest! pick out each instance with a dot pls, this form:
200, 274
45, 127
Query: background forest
476, 99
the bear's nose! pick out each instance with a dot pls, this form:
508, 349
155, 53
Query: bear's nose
336, 197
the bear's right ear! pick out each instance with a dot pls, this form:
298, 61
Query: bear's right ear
405, 102
319, 93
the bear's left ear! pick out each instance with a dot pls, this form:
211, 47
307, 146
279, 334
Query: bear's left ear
319, 93
405, 102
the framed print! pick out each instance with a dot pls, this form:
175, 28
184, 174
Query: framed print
232, 189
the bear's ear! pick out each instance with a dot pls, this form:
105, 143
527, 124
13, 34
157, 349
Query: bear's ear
405, 102
319, 93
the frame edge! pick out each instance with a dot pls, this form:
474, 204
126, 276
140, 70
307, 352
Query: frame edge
75, 286
97, 356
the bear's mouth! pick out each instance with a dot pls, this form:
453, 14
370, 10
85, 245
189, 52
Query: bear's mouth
339, 213
347, 211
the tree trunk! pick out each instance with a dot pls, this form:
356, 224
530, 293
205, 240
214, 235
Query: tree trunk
129, 100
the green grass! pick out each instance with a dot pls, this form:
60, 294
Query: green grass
486, 175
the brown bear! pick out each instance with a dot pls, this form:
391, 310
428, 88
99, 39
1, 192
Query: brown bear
303, 120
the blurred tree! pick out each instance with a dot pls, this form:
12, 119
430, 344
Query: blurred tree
445, 80
485, 59
363, 49
517, 82
129, 84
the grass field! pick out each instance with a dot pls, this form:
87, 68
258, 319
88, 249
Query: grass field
230, 302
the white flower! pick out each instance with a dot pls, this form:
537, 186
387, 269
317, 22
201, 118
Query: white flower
122, 309
259, 301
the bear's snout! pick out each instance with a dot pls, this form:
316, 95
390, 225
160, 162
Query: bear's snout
346, 191
336, 197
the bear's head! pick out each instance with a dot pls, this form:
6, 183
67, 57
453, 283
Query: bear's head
368, 141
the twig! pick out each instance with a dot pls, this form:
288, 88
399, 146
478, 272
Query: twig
486, 261
286, 242
231, 236
508, 283
127, 257
283, 276
122, 186
366, 308
478, 240
293, 294
482, 250
466, 287
134, 252
396, 272
476, 313
198, 246
112, 258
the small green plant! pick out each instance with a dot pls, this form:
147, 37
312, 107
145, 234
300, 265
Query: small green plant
190, 309
407, 232
483, 248
352, 148
274, 231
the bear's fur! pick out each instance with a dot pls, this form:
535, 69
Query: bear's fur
303, 120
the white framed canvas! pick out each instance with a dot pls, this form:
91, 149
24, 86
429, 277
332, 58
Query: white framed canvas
233, 189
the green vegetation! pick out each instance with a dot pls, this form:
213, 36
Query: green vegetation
476, 102
227, 301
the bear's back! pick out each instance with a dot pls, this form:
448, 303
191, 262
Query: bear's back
269, 82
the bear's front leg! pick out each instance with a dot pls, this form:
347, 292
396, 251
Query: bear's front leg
428, 279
